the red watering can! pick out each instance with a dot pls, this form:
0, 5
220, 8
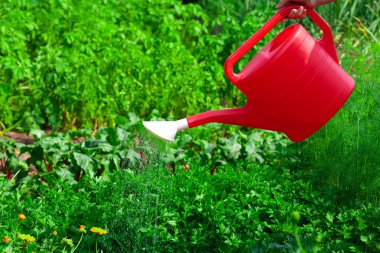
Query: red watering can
293, 85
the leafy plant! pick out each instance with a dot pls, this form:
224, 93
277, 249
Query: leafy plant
231, 211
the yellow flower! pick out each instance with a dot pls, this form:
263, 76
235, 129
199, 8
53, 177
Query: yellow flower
82, 229
5, 239
55, 232
21, 216
98, 231
27, 237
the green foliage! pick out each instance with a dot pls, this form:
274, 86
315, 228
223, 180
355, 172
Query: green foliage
79, 154
357, 19
360, 18
95, 56
216, 145
10, 162
61, 156
260, 208
344, 155
213, 194
62, 209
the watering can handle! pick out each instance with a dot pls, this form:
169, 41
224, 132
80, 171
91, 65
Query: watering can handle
326, 42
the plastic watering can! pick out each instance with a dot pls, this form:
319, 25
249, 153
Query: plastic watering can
293, 85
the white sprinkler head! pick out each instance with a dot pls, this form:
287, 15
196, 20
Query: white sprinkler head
166, 129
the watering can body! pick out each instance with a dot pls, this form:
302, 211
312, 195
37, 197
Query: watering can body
293, 85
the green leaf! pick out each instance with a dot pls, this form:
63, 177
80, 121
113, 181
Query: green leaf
37, 134
86, 163
66, 175
133, 156
330, 217
231, 148
172, 223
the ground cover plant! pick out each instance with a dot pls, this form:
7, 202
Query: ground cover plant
176, 200
245, 206
80, 76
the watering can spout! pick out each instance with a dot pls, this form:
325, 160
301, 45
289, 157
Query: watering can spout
166, 130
